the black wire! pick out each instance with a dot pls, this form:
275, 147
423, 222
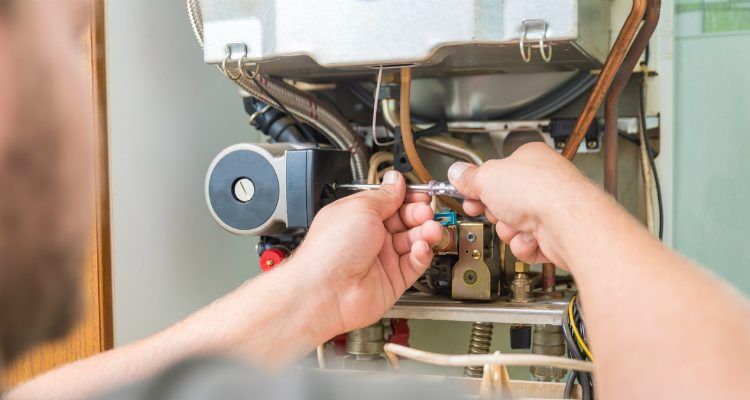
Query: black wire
629, 137
584, 378
569, 385
302, 127
650, 152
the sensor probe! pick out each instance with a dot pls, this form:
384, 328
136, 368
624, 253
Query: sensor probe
433, 188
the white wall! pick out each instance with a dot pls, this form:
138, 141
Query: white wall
169, 115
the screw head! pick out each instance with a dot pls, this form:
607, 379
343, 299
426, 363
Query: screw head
244, 190
470, 277
591, 144
269, 263
475, 254
471, 236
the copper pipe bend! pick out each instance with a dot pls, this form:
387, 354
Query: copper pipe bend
611, 66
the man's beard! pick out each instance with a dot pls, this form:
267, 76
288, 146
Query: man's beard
41, 250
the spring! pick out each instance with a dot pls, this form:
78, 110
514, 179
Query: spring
481, 339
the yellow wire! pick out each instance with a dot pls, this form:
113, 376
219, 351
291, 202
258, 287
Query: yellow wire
575, 330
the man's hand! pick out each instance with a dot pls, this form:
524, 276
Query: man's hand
368, 248
518, 194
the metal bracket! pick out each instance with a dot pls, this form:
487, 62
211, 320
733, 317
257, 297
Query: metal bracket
529, 26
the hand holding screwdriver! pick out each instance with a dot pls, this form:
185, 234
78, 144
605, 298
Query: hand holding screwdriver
433, 188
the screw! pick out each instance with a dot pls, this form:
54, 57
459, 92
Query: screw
560, 145
269, 263
471, 236
591, 144
476, 254
244, 190
470, 277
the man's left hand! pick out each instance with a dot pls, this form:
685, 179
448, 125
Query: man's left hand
368, 248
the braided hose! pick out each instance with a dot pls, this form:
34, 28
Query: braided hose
299, 103
480, 342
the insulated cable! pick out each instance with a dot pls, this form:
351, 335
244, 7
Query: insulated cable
467, 360
650, 150
375, 112
576, 333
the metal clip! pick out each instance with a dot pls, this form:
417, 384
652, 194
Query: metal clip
256, 114
526, 50
242, 62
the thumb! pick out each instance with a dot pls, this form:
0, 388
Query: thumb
389, 197
464, 177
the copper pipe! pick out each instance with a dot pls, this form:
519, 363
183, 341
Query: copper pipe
548, 277
406, 133
611, 66
653, 9
408, 138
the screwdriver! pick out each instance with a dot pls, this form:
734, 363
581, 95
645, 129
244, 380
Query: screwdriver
433, 188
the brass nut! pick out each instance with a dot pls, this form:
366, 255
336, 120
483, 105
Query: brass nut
521, 267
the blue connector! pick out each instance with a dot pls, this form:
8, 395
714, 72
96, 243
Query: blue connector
446, 218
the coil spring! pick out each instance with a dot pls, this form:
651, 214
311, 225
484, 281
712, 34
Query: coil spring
479, 343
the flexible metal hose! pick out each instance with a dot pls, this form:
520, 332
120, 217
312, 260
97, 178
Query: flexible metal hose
480, 342
299, 103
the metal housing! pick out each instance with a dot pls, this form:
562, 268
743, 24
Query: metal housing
345, 38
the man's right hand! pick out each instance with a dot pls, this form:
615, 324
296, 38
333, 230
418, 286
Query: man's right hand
519, 194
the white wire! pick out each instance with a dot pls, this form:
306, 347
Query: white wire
467, 360
375, 111
648, 179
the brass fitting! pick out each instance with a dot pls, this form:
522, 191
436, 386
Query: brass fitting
522, 268
447, 244
522, 284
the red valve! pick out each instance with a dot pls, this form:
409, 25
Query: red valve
400, 333
272, 257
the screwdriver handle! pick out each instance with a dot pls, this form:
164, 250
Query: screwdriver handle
437, 188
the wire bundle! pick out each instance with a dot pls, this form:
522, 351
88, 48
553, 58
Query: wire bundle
574, 332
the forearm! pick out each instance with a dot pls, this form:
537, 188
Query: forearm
270, 321
655, 319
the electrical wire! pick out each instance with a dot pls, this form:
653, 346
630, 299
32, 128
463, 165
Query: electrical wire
650, 150
576, 333
375, 112
467, 360
584, 378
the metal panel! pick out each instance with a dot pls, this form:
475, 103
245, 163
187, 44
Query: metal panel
300, 38
423, 306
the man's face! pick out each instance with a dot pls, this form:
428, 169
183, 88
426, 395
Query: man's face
46, 153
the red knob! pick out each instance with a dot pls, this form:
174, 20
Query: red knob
272, 257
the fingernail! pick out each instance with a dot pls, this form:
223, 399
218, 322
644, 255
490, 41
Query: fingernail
390, 177
456, 170
526, 237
